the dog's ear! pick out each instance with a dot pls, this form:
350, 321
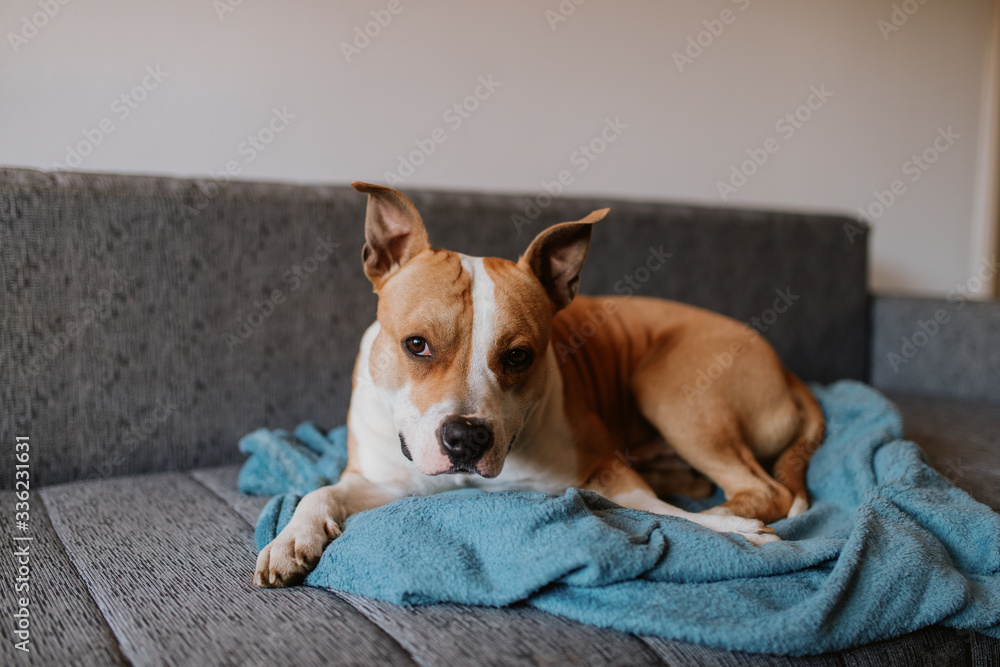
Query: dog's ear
394, 232
556, 257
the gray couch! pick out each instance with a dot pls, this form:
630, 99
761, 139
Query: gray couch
148, 323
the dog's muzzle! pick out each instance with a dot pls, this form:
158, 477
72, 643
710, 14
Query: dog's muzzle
464, 440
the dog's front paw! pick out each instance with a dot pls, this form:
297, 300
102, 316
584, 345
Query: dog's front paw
292, 555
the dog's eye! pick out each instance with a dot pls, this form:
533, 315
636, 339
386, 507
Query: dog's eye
417, 346
517, 358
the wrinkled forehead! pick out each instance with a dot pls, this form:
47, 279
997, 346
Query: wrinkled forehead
429, 295
442, 293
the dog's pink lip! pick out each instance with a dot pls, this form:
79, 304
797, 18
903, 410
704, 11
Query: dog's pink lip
435, 473
440, 469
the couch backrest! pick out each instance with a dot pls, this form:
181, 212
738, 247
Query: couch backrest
945, 347
148, 323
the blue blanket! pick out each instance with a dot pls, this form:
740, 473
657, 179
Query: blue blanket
888, 546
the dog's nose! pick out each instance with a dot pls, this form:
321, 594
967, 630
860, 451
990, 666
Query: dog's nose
465, 439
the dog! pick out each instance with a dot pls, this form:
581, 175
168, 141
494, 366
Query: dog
474, 374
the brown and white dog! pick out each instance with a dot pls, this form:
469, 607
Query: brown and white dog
458, 383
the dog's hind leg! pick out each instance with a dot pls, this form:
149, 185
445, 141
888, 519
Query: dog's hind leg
718, 451
708, 431
623, 485
667, 473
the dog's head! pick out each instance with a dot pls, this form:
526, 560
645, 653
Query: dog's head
460, 358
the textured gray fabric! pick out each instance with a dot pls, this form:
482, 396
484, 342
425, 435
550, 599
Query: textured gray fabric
930, 647
222, 481
961, 439
66, 627
123, 296
681, 654
985, 650
167, 282
457, 635
957, 356
169, 565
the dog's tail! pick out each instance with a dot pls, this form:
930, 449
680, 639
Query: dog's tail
790, 468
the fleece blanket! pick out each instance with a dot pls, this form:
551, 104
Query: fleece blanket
887, 547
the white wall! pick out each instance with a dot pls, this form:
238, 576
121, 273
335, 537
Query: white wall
891, 94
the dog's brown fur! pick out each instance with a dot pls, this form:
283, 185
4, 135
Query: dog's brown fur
611, 381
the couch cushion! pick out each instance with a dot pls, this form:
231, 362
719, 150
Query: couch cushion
961, 439
65, 625
167, 560
169, 564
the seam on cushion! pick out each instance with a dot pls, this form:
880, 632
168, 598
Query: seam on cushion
86, 586
225, 502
